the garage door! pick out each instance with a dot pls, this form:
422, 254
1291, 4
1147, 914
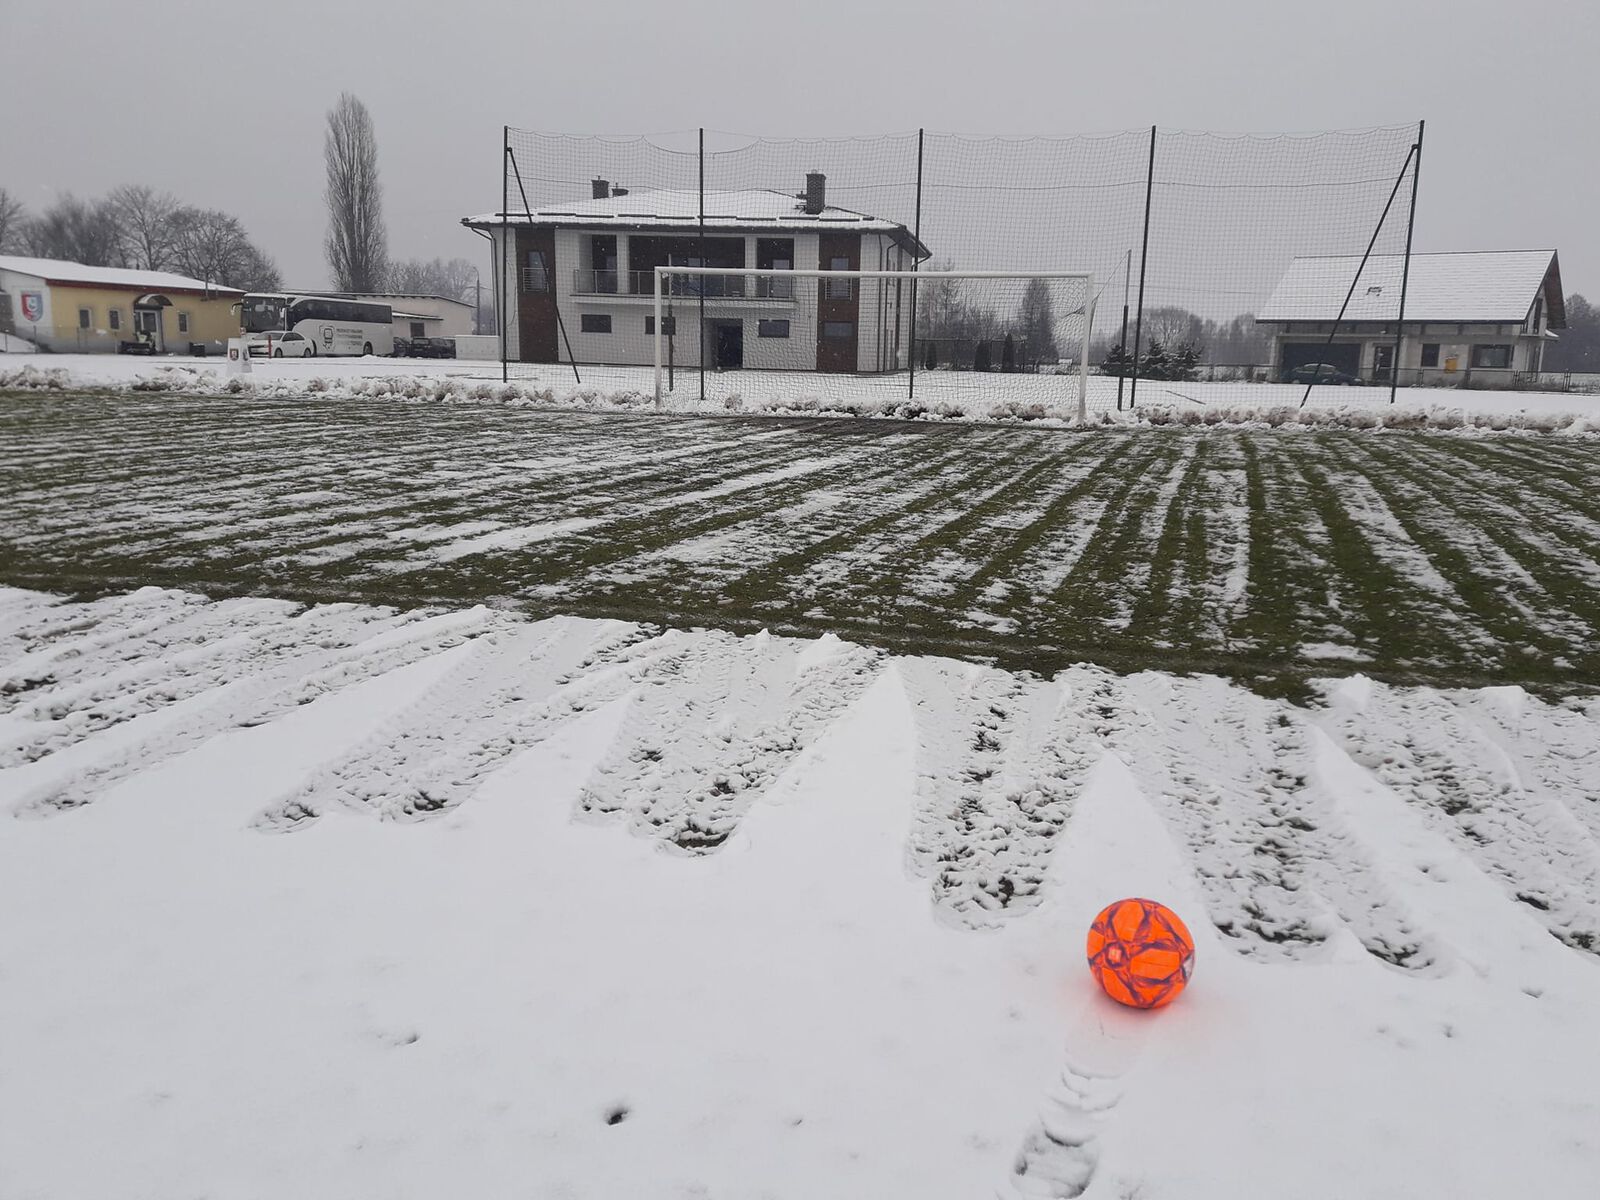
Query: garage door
1346, 357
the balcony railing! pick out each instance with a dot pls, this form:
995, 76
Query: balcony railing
712, 287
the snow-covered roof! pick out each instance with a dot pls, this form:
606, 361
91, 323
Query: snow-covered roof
681, 209
1474, 286
390, 296
55, 270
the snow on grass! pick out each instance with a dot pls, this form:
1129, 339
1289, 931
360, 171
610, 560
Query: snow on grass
513, 539
1429, 558
447, 982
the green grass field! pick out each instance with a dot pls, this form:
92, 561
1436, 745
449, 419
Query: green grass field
1269, 556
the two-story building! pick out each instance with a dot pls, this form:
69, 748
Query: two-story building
579, 280
1475, 319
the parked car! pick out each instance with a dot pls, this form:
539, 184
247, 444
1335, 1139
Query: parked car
425, 347
279, 343
1322, 373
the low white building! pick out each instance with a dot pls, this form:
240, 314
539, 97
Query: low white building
579, 280
1475, 319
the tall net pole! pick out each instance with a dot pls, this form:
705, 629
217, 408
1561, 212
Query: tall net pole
1405, 271
702, 253
911, 358
1144, 254
1122, 338
508, 259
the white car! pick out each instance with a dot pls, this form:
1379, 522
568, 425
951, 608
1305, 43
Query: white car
279, 343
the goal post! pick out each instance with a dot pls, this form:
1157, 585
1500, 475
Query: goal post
777, 297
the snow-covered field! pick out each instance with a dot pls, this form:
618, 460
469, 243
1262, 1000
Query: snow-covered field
348, 901
940, 395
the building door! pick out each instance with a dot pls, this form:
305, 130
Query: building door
730, 345
147, 325
1382, 362
838, 302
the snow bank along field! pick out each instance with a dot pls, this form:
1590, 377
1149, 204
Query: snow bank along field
940, 395
411, 799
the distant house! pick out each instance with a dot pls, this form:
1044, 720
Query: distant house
69, 307
1473, 319
592, 263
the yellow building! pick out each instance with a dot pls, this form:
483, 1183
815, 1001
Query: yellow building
68, 307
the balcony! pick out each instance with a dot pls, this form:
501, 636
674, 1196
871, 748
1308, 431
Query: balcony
712, 287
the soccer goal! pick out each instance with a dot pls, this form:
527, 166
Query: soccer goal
973, 341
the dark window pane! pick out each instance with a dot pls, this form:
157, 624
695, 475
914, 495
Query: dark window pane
595, 323
772, 329
838, 329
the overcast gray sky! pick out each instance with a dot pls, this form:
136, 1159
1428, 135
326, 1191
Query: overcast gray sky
224, 104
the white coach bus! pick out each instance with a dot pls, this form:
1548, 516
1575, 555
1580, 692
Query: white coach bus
278, 325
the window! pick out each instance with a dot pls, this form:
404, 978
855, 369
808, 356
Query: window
1430, 354
535, 276
669, 326
183, 322
596, 323
1492, 357
839, 289
115, 318
417, 330
773, 328
85, 318
1538, 314
775, 254
838, 329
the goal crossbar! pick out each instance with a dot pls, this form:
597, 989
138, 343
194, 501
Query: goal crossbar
662, 272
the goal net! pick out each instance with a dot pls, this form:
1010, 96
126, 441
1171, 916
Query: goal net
954, 343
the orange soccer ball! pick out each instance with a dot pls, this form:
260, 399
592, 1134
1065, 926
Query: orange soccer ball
1141, 953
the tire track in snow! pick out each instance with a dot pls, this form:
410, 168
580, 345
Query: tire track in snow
1432, 753
365, 645
1230, 774
512, 689
1000, 760
703, 741
123, 673
1557, 746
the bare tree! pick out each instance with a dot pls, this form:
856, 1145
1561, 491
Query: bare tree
146, 223
453, 279
357, 244
1173, 326
76, 230
213, 246
257, 272
12, 218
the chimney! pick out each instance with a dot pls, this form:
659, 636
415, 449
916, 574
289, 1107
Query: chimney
816, 192
618, 191
601, 189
